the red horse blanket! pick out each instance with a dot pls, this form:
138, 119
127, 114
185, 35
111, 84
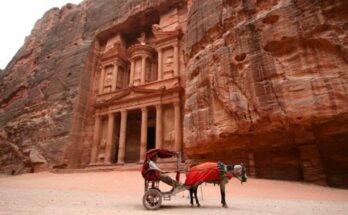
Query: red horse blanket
205, 172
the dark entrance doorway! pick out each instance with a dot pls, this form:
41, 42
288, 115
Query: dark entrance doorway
151, 138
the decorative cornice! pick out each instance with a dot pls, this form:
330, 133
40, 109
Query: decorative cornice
135, 49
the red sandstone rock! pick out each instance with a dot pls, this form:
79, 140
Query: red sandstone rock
265, 83
269, 78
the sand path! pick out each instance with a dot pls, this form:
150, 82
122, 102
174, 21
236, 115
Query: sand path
121, 193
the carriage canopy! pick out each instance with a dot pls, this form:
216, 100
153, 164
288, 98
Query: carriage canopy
161, 153
153, 175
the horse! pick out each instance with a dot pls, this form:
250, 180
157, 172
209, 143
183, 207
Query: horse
217, 173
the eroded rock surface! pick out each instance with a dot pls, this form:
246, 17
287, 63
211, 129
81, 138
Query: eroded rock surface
266, 83
44, 89
269, 79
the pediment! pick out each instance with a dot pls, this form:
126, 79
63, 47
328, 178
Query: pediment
162, 35
115, 51
132, 93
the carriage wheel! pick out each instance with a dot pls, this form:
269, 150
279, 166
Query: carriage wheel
152, 199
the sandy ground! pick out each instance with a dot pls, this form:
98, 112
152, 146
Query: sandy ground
121, 193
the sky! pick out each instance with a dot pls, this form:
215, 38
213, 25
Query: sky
17, 19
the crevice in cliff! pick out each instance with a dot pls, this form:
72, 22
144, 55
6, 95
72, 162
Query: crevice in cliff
13, 96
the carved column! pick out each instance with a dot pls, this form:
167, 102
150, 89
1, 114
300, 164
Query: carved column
160, 66
114, 77
143, 69
101, 81
122, 145
176, 60
154, 71
159, 126
177, 126
143, 135
132, 72
96, 139
110, 137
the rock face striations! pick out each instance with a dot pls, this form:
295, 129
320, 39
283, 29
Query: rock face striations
260, 82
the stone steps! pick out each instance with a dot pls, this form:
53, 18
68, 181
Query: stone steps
165, 166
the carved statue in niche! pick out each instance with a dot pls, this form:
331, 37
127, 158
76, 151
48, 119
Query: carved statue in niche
107, 82
102, 150
168, 62
142, 39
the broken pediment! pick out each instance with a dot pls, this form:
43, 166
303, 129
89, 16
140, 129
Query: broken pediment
162, 35
116, 51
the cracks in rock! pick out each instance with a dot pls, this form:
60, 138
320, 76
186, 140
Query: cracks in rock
281, 75
84, 19
281, 106
230, 80
17, 94
297, 6
210, 34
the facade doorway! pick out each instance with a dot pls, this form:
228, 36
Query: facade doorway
133, 136
151, 138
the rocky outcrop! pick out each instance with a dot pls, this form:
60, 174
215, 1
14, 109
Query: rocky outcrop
269, 79
44, 89
266, 84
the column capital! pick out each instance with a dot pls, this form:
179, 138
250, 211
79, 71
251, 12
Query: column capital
105, 65
176, 104
143, 109
132, 59
158, 106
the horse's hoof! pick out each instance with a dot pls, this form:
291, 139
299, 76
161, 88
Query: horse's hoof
198, 205
191, 206
224, 206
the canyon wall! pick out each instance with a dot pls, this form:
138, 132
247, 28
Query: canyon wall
266, 84
45, 90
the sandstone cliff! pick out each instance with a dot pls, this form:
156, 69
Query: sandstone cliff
266, 83
44, 90
268, 80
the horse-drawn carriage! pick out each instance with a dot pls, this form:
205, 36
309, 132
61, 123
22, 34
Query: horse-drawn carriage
207, 172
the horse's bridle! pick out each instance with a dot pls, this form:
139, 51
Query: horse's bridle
243, 174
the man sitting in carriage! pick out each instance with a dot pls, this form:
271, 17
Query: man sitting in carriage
152, 172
